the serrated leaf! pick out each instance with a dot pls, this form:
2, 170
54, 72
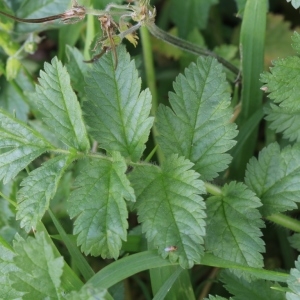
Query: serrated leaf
116, 111
22, 145
88, 292
58, 103
190, 14
98, 201
77, 68
293, 282
199, 125
275, 177
38, 271
6, 267
171, 210
283, 88
233, 226
40, 9
244, 290
295, 241
38, 189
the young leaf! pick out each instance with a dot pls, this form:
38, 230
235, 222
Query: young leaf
233, 226
38, 189
293, 282
171, 210
275, 177
37, 271
283, 88
6, 267
198, 126
116, 111
58, 103
21, 143
190, 14
98, 201
89, 292
244, 290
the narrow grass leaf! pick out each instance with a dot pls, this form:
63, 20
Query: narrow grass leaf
171, 209
38, 189
21, 145
198, 125
275, 178
59, 105
233, 226
117, 112
38, 271
98, 201
78, 259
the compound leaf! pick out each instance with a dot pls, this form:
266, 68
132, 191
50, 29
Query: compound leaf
6, 267
190, 14
58, 103
233, 223
98, 202
171, 210
38, 270
199, 125
283, 88
117, 112
21, 145
38, 189
293, 282
275, 177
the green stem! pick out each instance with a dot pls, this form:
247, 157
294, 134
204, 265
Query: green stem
285, 221
90, 33
189, 47
212, 189
151, 81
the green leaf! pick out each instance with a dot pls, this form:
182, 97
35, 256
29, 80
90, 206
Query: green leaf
233, 223
22, 145
58, 103
38, 189
6, 267
77, 69
190, 14
275, 177
244, 290
89, 292
170, 208
295, 241
283, 88
116, 111
40, 9
215, 298
38, 272
293, 282
98, 202
199, 125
